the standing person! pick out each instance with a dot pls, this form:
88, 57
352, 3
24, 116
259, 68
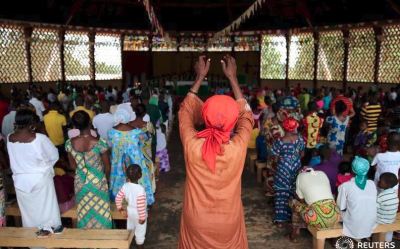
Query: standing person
338, 125
88, 155
357, 202
32, 157
162, 151
135, 211
212, 215
3, 166
312, 124
104, 121
289, 150
7, 126
348, 109
4, 105
126, 149
371, 112
35, 102
388, 161
55, 124
80, 106
147, 128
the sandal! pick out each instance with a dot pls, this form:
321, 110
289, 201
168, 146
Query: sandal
43, 233
59, 229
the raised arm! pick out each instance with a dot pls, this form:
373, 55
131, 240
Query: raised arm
245, 122
190, 110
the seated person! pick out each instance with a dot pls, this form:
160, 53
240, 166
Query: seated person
345, 174
330, 161
388, 201
357, 202
315, 203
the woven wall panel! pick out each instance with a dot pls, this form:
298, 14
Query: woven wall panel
389, 57
107, 55
76, 53
45, 52
330, 56
361, 62
301, 57
273, 57
13, 60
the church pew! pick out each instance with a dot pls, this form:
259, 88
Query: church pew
319, 236
70, 238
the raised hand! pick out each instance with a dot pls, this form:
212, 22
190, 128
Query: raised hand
229, 67
202, 66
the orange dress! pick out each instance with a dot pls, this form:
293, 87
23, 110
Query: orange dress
212, 215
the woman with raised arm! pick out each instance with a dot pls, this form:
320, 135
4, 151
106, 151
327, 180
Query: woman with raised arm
212, 214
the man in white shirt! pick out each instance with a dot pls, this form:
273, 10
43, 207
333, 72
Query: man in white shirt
39, 107
390, 160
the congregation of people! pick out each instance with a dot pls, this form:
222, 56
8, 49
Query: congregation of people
331, 156
86, 147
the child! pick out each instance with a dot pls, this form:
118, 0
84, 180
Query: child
312, 124
135, 196
387, 201
364, 139
345, 174
162, 152
390, 160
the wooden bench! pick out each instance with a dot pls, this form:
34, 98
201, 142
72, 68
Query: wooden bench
319, 236
13, 210
251, 159
70, 238
260, 166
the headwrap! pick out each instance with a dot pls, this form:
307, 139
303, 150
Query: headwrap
220, 114
360, 168
290, 124
122, 116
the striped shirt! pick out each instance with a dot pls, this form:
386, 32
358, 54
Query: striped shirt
371, 114
135, 195
388, 203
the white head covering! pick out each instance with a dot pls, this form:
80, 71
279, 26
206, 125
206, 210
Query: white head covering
122, 116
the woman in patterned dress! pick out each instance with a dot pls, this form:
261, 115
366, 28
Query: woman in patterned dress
3, 165
148, 129
88, 155
127, 149
289, 151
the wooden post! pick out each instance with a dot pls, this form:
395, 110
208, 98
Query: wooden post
378, 40
259, 61
28, 35
92, 63
287, 59
61, 37
316, 51
346, 56
123, 83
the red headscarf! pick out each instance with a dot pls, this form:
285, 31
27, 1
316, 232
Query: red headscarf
290, 124
220, 114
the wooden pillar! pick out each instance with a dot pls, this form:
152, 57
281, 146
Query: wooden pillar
346, 56
287, 59
259, 62
378, 41
28, 35
316, 51
123, 83
61, 37
92, 63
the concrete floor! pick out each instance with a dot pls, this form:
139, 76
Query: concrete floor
164, 219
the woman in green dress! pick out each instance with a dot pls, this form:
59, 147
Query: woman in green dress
89, 156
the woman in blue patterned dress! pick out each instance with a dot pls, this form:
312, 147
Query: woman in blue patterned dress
126, 150
338, 125
289, 150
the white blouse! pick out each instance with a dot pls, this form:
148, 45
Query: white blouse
31, 162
